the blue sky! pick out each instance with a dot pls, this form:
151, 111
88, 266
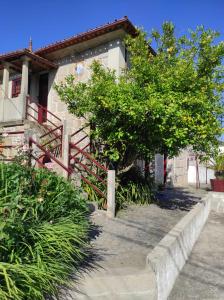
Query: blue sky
51, 20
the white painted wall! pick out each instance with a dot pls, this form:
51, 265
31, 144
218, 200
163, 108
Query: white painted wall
12, 109
203, 173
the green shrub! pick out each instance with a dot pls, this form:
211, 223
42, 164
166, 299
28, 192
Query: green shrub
138, 193
43, 232
131, 187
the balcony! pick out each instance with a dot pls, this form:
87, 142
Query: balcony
12, 110
25, 65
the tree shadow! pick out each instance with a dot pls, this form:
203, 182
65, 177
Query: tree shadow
177, 198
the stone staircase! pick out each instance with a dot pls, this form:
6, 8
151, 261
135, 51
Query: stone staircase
14, 137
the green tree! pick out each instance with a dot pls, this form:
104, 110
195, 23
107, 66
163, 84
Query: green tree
162, 103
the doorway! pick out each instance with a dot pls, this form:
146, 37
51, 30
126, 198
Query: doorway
43, 96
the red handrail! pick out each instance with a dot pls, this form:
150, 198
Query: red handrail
39, 120
82, 139
48, 153
42, 107
51, 131
48, 111
87, 155
89, 171
79, 130
73, 156
12, 132
93, 186
52, 140
10, 146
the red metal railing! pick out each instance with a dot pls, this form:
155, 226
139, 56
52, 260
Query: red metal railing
92, 172
53, 133
48, 154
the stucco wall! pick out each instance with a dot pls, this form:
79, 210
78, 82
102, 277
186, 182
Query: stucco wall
111, 55
177, 170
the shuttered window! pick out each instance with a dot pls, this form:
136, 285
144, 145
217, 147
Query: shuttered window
16, 87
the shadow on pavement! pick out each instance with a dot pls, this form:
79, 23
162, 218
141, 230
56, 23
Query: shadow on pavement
178, 198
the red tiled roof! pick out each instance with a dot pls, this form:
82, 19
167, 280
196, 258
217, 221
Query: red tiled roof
123, 23
88, 35
17, 54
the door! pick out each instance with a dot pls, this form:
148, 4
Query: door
43, 95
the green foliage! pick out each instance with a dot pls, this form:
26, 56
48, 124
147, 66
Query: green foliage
217, 164
161, 104
43, 232
133, 193
131, 187
93, 196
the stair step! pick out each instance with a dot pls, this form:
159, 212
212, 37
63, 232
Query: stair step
100, 285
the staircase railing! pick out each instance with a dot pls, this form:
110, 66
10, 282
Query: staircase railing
92, 172
53, 144
46, 153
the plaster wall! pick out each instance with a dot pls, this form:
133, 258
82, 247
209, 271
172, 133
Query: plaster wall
12, 109
177, 170
110, 55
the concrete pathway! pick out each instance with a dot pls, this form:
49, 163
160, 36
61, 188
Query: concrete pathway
202, 278
122, 244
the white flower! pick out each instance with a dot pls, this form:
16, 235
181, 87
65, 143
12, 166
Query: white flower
5, 134
40, 199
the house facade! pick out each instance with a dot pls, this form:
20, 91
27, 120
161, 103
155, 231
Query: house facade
27, 94
33, 73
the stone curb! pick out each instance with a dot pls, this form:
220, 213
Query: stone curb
170, 255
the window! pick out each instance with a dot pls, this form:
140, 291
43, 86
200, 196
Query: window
16, 87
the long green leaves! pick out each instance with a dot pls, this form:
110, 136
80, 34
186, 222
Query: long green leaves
43, 232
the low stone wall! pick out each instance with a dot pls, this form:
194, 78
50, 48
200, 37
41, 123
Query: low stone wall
169, 256
217, 201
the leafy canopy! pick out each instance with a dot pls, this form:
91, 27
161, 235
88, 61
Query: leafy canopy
161, 103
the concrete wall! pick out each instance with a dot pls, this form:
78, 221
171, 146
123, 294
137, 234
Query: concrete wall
12, 109
2, 93
169, 256
177, 170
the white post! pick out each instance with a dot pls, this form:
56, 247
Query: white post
5, 83
111, 193
25, 83
25, 76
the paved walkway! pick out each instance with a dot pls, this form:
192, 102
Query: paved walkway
122, 244
202, 278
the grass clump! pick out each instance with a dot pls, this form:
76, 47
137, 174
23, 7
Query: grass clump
43, 232
131, 188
